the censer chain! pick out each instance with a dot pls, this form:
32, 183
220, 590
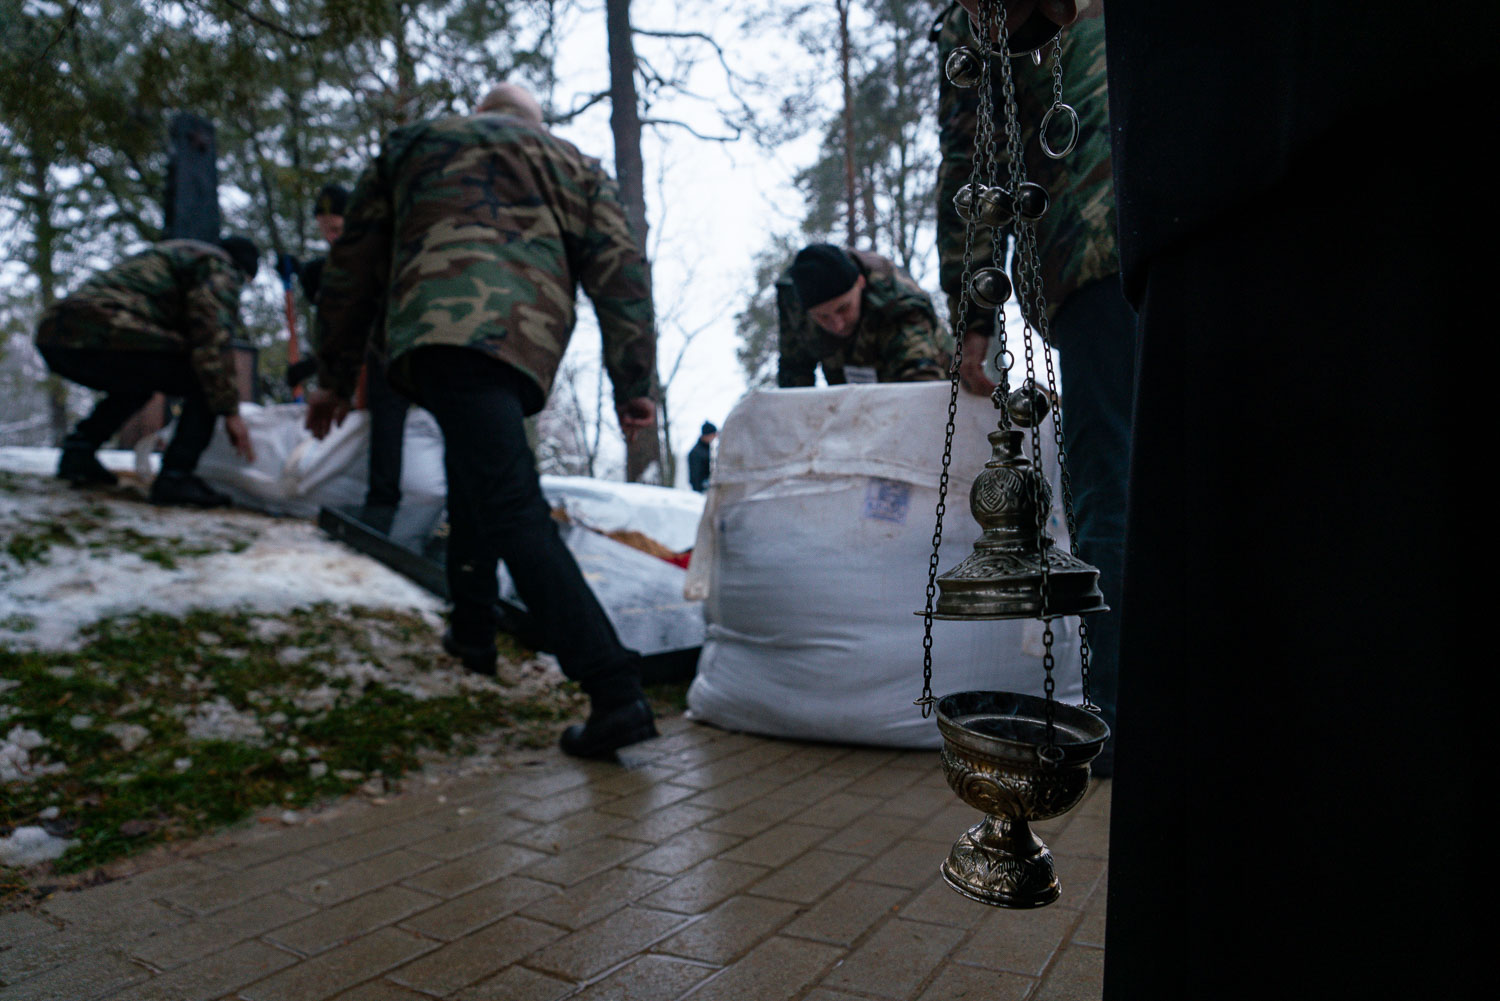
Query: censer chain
1029, 272
984, 139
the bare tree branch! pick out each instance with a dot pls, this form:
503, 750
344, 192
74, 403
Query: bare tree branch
738, 131
263, 22
568, 116
68, 24
731, 78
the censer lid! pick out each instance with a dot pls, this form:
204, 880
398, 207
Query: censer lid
1003, 577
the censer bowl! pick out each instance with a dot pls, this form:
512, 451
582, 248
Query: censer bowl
995, 758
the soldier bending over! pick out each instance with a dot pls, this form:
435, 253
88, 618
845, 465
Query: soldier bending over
858, 315
159, 321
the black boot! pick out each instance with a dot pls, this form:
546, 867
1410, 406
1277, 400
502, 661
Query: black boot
172, 487
81, 467
609, 730
476, 657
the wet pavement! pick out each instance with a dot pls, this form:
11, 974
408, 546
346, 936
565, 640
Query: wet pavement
711, 866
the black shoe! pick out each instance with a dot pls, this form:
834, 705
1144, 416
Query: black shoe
479, 659
187, 490
81, 467
607, 732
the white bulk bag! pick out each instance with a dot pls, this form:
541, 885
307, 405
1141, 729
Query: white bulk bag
812, 559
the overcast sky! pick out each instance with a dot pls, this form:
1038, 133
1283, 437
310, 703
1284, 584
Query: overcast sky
710, 205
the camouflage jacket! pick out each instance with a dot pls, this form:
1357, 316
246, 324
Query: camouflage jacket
474, 231
1076, 238
180, 295
897, 336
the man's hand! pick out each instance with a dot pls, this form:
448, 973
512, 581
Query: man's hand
636, 415
971, 369
239, 436
325, 411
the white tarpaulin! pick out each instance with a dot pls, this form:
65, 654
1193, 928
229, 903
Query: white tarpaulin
812, 556
295, 474
667, 516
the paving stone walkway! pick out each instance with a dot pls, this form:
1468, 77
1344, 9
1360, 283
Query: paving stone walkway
712, 867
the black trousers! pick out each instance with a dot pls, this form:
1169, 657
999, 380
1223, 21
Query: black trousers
129, 379
496, 512
387, 434
1095, 334
1297, 764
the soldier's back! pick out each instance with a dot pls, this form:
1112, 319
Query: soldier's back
487, 187
137, 304
491, 217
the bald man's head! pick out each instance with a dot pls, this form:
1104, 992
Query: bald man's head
511, 99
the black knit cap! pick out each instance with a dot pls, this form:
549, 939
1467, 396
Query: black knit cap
332, 200
243, 252
821, 272
708, 428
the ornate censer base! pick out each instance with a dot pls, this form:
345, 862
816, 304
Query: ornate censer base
989, 863
993, 747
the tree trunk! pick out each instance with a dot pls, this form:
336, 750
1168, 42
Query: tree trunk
849, 194
668, 456
44, 249
625, 124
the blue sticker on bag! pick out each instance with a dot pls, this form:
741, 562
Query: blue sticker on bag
888, 500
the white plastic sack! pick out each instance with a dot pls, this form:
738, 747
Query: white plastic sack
667, 516
295, 474
812, 556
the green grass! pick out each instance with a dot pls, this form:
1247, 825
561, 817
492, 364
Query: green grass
31, 540
150, 672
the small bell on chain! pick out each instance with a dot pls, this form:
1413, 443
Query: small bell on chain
996, 206
1029, 405
989, 288
963, 203
1002, 577
1032, 201
963, 67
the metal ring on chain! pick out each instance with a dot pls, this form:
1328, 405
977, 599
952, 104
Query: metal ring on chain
1004, 366
1073, 131
1050, 754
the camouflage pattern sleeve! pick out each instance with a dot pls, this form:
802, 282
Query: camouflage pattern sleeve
797, 363
915, 351
353, 284
958, 120
211, 319
1076, 238
613, 275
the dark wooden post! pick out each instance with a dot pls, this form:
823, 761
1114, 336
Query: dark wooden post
191, 204
192, 209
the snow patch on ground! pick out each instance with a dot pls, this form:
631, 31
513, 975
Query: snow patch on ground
16, 761
281, 563
30, 845
217, 719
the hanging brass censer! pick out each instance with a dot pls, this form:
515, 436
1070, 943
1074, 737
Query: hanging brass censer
1017, 758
